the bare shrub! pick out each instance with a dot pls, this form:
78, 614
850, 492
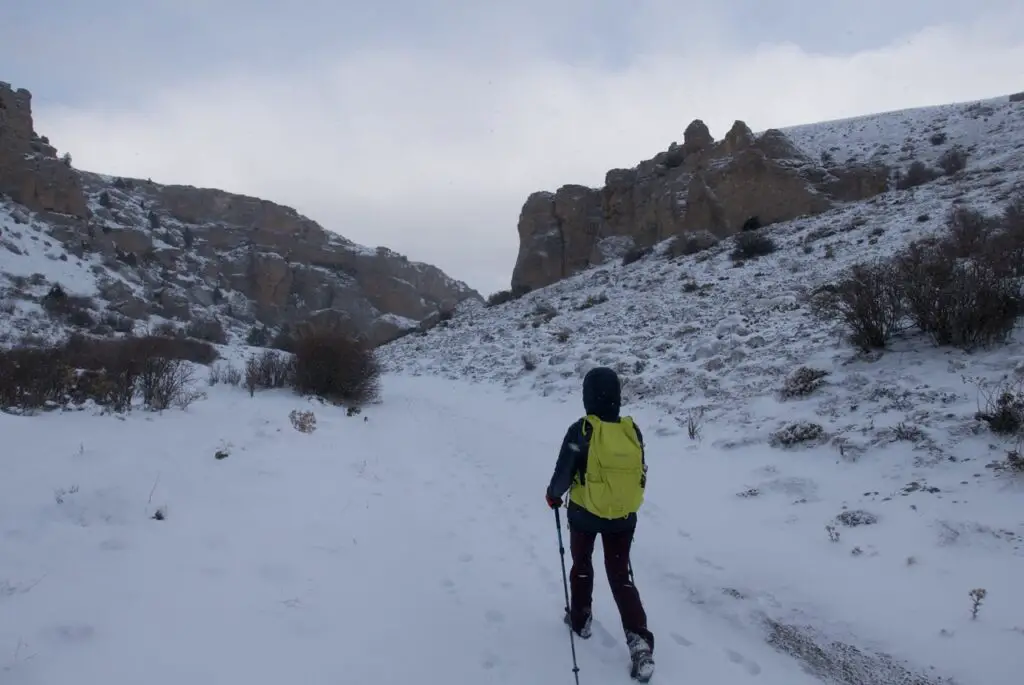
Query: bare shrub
31, 378
529, 362
269, 370
226, 374
72, 309
165, 382
302, 421
258, 336
963, 303
500, 297
968, 232
635, 255
917, 174
953, 160
109, 372
691, 243
210, 330
336, 367
751, 245
1001, 406
867, 301
803, 382
695, 423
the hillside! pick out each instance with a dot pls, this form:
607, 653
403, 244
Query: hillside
711, 346
219, 264
706, 189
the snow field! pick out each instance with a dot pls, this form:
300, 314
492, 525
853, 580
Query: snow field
414, 546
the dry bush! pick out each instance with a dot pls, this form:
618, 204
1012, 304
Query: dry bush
110, 372
1001, 406
691, 244
917, 174
336, 367
635, 255
210, 330
225, 373
302, 421
31, 378
868, 301
165, 382
960, 287
500, 297
269, 370
953, 160
965, 303
750, 245
71, 309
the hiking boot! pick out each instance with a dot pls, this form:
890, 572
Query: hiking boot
642, 661
583, 632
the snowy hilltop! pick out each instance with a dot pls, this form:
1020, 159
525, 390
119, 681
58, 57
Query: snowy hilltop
832, 407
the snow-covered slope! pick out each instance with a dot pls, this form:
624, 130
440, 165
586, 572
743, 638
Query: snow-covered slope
702, 342
411, 544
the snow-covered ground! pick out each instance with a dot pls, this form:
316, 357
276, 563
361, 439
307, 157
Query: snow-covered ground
414, 546
411, 544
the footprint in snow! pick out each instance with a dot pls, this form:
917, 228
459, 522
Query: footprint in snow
70, 633
680, 640
494, 616
113, 545
465, 557
707, 562
749, 666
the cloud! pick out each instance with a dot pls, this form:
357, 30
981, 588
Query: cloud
431, 147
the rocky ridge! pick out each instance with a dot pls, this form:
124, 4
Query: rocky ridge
701, 188
194, 255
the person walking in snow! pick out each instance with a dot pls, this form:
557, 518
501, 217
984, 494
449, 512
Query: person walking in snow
601, 463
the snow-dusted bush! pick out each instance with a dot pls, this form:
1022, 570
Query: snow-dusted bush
797, 433
803, 382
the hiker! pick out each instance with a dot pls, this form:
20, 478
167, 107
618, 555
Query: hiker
604, 448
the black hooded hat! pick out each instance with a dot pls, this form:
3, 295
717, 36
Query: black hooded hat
602, 393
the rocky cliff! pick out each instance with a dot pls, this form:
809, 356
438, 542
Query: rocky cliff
184, 253
701, 186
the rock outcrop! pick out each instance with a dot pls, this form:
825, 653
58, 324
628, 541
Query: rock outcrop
698, 187
189, 253
30, 172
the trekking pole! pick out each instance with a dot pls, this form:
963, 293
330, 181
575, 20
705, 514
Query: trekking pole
565, 585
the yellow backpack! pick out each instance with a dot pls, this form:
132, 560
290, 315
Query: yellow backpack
613, 485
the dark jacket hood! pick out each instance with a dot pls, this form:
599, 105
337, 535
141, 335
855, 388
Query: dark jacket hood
602, 393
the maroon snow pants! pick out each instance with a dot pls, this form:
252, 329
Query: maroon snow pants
616, 564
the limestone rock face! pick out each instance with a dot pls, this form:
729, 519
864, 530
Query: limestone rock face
190, 253
699, 187
30, 172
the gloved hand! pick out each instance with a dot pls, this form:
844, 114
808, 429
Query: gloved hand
553, 502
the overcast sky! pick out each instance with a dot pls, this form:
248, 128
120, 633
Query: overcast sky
424, 124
